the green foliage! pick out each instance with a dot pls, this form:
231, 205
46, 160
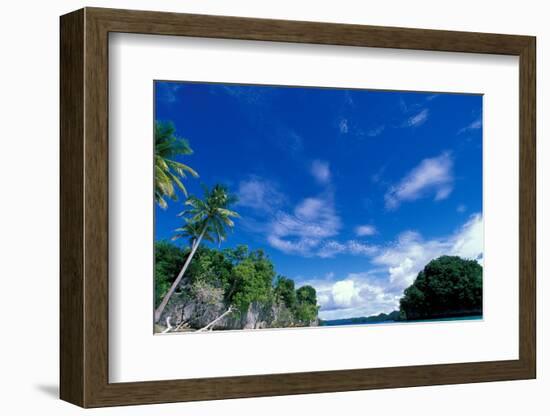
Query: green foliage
209, 216
306, 308
168, 261
192, 231
448, 286
236, 254
236, 276
212, 267
252, 279
307, 294
169, 172
205, 219
285, 292
306, 313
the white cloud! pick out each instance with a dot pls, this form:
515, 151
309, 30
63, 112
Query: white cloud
468, 243
309, 208
312, 221
343, 126
365, 230
348, 98
288, 140
418, 119
358, 294
301, 245
376, 131
474, 125
320, 170
332, 248
397, 265
357, 248
245, 93
169, 91
344, 292
461, 209
430, 176
443, 192
259, 194
378, 176
410, 253
310, 231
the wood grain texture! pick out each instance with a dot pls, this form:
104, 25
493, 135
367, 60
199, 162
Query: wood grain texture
528, 208
162, 23
96, 208
71, 99
84, 207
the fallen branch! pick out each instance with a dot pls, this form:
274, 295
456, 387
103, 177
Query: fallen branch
169, 327
206, 328
181, 325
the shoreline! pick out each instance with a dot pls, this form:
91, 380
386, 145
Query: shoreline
331, 323
388, 322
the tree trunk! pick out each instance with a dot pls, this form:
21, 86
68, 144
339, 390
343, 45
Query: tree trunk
217, 319
160, 309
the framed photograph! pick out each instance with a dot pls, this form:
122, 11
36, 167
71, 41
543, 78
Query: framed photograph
257, 207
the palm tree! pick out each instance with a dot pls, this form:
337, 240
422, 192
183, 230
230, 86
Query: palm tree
168, 172
206, 218
192, 231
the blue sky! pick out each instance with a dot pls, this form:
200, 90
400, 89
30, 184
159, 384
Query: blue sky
351, 191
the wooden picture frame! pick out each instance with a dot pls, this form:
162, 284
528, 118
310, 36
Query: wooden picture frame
84, 207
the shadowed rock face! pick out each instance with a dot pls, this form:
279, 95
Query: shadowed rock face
257, 316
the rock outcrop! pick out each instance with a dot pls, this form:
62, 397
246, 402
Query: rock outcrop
258, 315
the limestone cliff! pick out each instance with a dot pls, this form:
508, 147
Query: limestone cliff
196, 315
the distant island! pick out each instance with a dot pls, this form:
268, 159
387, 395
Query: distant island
396, 316
373, 319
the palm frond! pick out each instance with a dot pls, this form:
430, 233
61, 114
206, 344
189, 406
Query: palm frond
228, 213
182, 168
212, 212
168, 171
177, 181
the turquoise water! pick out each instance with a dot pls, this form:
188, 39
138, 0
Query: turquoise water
460, 318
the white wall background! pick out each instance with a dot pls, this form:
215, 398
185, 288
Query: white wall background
29, 158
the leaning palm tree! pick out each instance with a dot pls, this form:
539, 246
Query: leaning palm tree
206, 219
192, 231
169, 172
